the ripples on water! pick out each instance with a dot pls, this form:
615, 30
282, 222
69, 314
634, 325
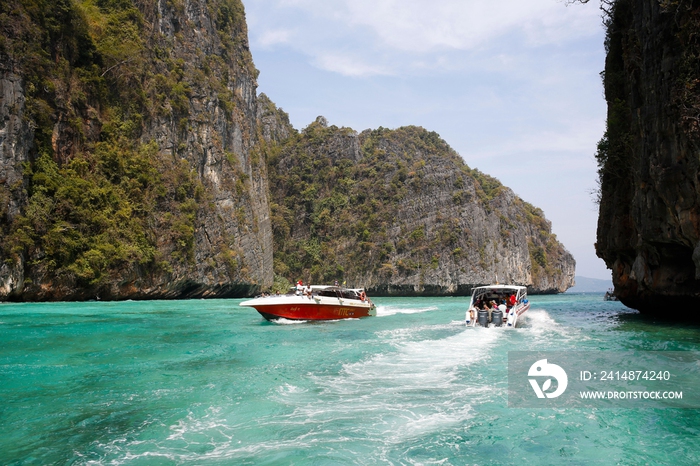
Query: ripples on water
208, 382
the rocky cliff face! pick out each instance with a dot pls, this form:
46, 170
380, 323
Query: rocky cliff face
130, 157
649, 223
134, 158
15, 140
398, 212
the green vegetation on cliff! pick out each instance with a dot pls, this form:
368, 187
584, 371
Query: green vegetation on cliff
624, 56
648, 158
613, 151
138, 154
331, 213
99, 198
395, 206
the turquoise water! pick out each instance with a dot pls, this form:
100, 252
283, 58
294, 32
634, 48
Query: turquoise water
208, 382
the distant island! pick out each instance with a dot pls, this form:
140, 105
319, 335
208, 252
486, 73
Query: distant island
590, 285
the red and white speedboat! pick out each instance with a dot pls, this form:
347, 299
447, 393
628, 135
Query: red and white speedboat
320, 303
497, 305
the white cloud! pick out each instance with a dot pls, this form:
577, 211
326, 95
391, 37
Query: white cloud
511, 85
272, 37
347, 65
424, 25
544, 143
402, 35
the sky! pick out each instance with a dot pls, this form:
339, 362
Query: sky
513, 86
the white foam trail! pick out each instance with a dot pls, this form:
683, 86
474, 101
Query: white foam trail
540, 327
417, 389
423, 386
192, 424
288, 389
383, 311
283, 321
425, 358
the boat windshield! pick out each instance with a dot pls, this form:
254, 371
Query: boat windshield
336, 292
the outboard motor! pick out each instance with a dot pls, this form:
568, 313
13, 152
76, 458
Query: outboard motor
483, 318
497, 317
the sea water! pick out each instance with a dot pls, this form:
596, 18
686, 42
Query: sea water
208, 382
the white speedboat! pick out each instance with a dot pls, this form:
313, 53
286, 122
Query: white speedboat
497, 305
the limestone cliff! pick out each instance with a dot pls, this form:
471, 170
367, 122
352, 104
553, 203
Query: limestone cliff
130, 163
398, 212
134, 161
649, 159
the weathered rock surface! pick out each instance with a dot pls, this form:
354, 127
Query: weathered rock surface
16, 139
398, 212
134, 158
649, 223
201, 114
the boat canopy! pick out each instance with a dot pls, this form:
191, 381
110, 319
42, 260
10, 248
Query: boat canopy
498, 293
334, 291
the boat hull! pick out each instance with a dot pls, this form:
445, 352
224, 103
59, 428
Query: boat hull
520, 310
303, 308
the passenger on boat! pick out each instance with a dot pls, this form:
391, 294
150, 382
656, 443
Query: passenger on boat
363, 296
492, 307
300, 288
308, 292
512, 300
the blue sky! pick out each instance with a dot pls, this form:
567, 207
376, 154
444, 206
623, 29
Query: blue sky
513, 86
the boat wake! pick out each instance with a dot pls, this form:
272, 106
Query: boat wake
542, 328
383, 311
426, 380
283, 321
424, 386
